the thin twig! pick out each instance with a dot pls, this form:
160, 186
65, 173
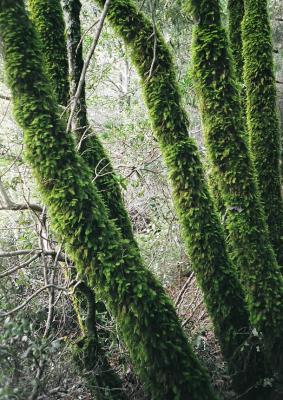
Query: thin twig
86, 64
85, 33
183, 290
28, 300
16, 253
25, 264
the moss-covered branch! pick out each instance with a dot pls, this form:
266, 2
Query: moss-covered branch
145, 316
102, 381
47, 17
236, 11
90, 358
262, 115
224, 133
201, 228
90, 146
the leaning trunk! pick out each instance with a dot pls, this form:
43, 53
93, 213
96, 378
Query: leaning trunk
202, 232
145, 316
244, 218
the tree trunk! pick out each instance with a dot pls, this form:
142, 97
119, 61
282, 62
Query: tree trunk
262, 115
202, 231
225, 138
47, 15
145, 316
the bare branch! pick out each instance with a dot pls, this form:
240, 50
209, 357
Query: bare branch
16, 253
25, 264
10, 205
28, 300
5, 97
86, 64
183, 290
22, 207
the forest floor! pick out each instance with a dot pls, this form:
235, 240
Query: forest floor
189, 303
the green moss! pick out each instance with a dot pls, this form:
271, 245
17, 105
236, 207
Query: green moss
146, 317
201, 227
47, 17
262, 118
101, 379
245, 221
235, 16
90, 146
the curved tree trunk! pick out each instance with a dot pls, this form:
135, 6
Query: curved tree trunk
92, 363
90, 146
245, 220
47, 15
202, 232
262, 115
145, 316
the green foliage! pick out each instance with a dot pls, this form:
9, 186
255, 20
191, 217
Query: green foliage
48, 19
201, 228
21, 348
262, 117
228, 151
102, 380
145, 315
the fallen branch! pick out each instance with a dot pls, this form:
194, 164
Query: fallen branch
183, 290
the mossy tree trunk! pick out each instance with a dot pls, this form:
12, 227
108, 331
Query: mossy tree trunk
145, 316
228, 151
202, 232
90, 146
101, 379
88, 353
262, 115
236, 11
46, 15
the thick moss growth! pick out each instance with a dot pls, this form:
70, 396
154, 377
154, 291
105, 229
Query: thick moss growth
47, 17
146, 317
102, 381
201, 227
223, 129
262, 117
90, 146
236, 11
